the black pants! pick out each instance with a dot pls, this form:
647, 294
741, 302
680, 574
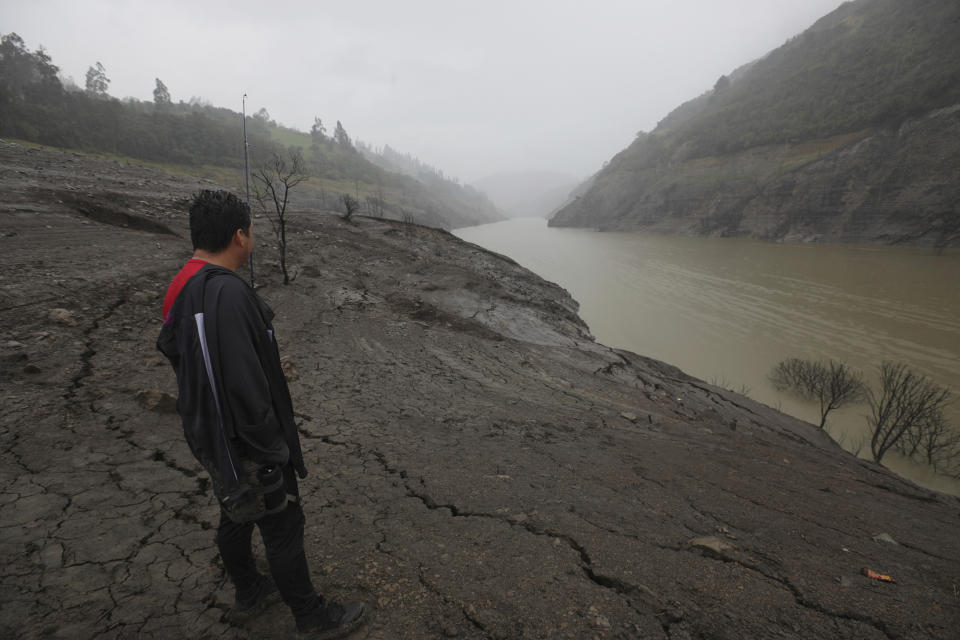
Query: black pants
282, 535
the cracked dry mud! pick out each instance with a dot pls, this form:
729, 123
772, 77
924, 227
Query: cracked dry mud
479, 467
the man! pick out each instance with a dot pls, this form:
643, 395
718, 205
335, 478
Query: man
238, 416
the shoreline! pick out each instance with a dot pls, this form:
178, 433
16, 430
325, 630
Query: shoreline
702, 315
479, 466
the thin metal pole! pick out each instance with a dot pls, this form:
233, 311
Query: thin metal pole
246, 176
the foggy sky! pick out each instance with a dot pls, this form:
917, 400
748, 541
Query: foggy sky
471, 87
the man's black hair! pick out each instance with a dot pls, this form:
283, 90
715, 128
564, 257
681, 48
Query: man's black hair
214, 218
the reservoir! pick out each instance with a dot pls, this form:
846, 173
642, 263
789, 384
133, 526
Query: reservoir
726, 310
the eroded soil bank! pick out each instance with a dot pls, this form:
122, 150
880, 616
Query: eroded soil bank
480, 467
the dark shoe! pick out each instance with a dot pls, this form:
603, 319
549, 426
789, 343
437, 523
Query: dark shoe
265, 596
332, 621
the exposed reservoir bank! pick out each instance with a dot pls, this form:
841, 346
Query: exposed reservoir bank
727, 309
478, 468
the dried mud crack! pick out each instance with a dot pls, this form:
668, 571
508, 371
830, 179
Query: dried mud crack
479, 467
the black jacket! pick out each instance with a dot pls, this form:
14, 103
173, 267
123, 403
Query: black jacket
233, 396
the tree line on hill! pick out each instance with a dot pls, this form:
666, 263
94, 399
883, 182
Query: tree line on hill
404, 163
869, 64
846, 133
37, 106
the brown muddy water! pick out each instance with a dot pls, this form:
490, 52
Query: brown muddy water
726, 310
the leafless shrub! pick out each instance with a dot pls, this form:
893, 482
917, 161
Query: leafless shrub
374, 206
722, 382
407, 219
933, 442
859, 445
832, 384
350, 206
273, 181
908, 414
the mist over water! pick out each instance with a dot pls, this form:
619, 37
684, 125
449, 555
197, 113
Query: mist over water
726, 310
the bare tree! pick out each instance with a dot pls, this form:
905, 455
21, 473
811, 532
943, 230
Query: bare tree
273, 181
375, 206
933, 442
350, 206
833, 384
908, 404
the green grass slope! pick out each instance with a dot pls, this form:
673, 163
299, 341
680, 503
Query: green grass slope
207, 141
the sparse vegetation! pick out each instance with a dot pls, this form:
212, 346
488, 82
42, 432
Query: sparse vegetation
907, 413
350, 206
933, 443
273, 181
833, 384
882, 72
722, 382
191, 137
866, 65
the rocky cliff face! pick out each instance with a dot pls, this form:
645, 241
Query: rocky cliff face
896, 185
849, 132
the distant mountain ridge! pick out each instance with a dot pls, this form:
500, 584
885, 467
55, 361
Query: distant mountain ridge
848, 132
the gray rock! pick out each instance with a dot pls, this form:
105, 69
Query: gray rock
62, 316
712, 545
154, 361
156, 400
598, 619
289, 369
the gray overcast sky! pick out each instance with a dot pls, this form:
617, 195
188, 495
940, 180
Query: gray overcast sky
471, 87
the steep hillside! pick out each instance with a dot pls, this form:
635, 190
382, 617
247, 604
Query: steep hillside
465, 205
848, 132
201, 140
